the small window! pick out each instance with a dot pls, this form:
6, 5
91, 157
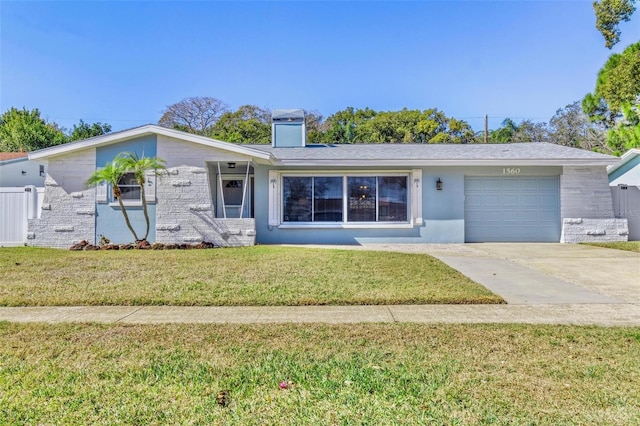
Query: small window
129, 188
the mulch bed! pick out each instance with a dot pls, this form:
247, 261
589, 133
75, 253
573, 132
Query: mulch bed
84, 245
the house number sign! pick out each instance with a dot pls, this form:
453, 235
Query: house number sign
511, 171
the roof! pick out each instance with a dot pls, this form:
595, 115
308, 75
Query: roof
4, 156
516, 154
148, 129
535, 153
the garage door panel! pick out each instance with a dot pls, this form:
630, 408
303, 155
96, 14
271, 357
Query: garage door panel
512, 209
547, 200
510, 186
550, 185
531, 201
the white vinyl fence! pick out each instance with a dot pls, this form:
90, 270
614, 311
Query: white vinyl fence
17, 205
626, 204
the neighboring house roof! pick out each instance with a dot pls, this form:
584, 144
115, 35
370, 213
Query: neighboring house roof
535, 153
520, 154
11, 156
148, 129
628, 161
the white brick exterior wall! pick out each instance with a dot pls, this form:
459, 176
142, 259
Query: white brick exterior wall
68, 208
184, 208
578, 230
587, 207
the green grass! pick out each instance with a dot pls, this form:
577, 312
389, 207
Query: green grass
622, 245
347, 374
261, 275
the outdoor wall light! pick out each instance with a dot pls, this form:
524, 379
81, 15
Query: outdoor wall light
439, 185
231, 165
24, 173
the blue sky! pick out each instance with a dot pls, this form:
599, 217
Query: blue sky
122, 62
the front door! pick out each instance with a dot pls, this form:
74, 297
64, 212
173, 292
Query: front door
234, 191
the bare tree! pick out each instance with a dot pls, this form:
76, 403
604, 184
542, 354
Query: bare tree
570, 126
194, 115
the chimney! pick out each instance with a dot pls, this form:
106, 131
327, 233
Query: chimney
288, 128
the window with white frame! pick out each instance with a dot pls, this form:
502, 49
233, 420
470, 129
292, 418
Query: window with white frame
350, 199
129, 188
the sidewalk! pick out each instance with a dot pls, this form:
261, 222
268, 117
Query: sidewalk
622, 314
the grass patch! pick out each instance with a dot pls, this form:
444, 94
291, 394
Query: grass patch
346, 374
620, 245
259, 276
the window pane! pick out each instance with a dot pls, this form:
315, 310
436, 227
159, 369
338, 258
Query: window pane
327, 193
392, 203
362, 199
129, 188
232, 191
297, 199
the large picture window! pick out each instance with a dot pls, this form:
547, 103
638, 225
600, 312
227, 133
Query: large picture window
339, 199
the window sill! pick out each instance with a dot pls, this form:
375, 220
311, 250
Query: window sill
369, 225
128, 204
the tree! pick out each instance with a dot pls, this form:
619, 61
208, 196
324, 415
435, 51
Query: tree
85, 130
342, 126
404, 126
505, 133
112, 173
626, 135
526, 131
193, 115
248, 124
609, 14
23, 130
570, 126
315, 126
139, 166
616, 96
618, 84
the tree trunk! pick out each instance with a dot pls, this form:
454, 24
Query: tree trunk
144, 209
116, 194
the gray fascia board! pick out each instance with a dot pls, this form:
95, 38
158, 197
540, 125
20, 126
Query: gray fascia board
457, 163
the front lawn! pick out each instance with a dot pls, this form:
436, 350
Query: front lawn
621, 245
260, 275
345, 374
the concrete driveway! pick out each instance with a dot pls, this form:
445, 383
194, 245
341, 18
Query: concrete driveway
600, 271
540, 273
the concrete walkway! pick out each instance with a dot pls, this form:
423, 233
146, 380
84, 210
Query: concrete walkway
581, 314
542, 284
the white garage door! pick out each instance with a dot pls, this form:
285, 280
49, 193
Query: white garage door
512, 209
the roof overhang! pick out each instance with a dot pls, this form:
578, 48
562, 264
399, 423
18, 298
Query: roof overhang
628, 156
150, 129
448, 162
13, 160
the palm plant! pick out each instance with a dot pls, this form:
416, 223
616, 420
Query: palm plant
139, 166
112, 173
